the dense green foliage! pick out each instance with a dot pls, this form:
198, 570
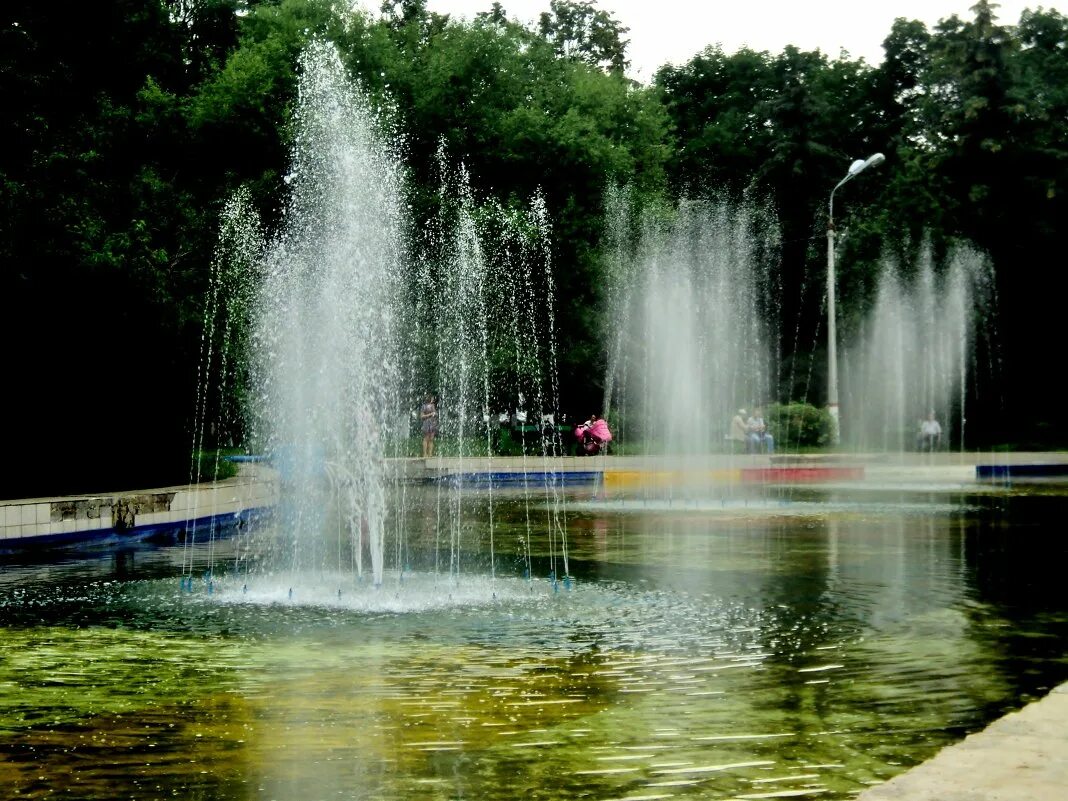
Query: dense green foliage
128, 123
799, 425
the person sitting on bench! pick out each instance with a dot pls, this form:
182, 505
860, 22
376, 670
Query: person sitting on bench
738, 432
758, 432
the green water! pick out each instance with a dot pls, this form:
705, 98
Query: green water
795, 650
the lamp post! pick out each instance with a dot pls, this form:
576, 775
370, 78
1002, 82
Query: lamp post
855, 169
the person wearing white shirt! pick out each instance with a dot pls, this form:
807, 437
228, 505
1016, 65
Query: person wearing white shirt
738, 431
930, 436
757, 430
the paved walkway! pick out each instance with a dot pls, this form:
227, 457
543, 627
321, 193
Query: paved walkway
1021, 757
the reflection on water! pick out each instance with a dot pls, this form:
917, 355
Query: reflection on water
697, 654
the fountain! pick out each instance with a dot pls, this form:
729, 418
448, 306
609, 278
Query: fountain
352, 320
325, 351
914, 353
791, 648
692, 305
692, 312
696, 294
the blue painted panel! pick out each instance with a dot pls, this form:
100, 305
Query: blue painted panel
516, 479
220, 525
1020, 470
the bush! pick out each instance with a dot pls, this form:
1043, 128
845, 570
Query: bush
799, 425
210, 466
509, 441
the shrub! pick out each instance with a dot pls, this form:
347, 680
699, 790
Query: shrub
801, 425
210, 465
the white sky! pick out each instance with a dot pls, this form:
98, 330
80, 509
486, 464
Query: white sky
674, 31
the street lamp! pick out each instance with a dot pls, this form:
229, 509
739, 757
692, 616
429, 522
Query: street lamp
855, 169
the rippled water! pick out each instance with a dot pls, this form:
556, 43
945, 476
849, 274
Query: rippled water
807, 646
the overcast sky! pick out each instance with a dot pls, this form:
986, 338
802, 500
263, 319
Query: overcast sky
675, 30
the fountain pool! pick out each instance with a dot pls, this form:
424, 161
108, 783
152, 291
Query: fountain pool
520, 641
695, 655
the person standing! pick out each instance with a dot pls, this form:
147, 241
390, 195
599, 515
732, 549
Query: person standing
930, 436
428, 421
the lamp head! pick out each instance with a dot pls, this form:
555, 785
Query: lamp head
874, 160
860, 165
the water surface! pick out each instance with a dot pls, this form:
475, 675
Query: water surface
794, 646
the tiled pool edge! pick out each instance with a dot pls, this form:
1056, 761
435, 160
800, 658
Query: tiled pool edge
118, 516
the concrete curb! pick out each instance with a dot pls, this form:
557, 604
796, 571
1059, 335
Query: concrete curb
1020, 757
122, 516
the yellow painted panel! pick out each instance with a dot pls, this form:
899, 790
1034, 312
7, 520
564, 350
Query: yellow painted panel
638, 479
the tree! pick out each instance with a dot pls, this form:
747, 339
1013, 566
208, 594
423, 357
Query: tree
987, 121
90, 241
784, 127
210, 32
580, 30
715, 102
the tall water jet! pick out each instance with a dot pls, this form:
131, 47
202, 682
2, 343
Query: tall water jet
351, 326
450, 318
222, 380
691, 320
914, 352
483, 334
325, 355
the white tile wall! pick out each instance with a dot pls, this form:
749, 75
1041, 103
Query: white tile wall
20, 520
153, 518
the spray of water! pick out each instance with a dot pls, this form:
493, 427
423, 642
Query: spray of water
691, 313
353, 320
222, 379
326, 359
913, 354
